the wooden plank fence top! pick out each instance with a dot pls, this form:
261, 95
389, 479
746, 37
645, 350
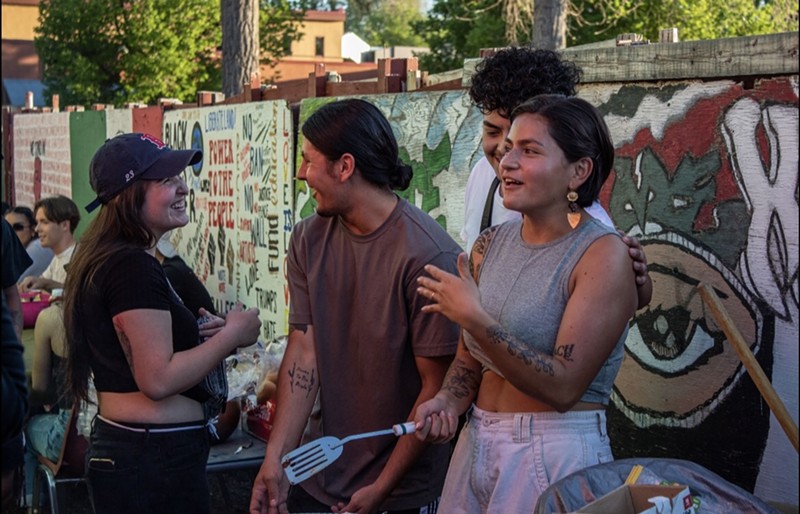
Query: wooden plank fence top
770, 54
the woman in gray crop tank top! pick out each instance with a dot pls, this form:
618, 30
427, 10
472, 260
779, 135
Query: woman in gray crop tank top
544, 306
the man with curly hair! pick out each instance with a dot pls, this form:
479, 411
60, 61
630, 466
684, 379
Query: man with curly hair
501, 82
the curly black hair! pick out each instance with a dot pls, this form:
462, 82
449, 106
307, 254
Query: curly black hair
507, 78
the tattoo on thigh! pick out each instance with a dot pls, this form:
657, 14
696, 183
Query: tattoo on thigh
301, 379
540, 362
461, 381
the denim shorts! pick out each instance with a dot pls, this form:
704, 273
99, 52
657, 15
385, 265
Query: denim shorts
148, 472
504, 461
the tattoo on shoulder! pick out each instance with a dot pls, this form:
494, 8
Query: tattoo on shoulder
301, 379
461, 381
302, 327
482, 243
541, 363
479, 250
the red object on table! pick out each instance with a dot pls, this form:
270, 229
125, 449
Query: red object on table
32, 304
258, 420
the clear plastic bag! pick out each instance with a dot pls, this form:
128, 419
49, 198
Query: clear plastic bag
87, 412
247, 368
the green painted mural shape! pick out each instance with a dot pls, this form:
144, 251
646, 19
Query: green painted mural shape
434, 161
671, 202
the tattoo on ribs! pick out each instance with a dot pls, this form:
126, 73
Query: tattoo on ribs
461, 381
541, 363
301, 379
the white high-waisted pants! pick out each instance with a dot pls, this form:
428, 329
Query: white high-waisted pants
504, 461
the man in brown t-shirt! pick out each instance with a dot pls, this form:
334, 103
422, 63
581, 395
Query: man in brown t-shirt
358, 339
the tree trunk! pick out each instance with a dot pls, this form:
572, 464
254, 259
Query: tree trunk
550, 24
239, 44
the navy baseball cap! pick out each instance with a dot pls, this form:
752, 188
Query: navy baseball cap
129, 157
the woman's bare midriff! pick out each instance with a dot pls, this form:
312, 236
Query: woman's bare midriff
137, 408
496, 394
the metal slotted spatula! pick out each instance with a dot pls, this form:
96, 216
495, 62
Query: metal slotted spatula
313, 457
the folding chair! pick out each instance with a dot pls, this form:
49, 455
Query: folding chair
68, 469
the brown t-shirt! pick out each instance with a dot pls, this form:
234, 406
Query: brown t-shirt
360, 295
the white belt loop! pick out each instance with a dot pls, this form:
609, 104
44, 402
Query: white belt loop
523, 428
601, 426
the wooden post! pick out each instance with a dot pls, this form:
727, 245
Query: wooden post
316, 81
384, 70
411, 78
54, 101
752, 366
204, 98
668, 35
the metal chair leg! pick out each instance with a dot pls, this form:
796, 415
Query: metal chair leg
52, 491
36, 501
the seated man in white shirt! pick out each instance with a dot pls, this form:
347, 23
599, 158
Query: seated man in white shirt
501, 82
57, 218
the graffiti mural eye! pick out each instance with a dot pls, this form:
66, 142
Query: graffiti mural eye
670, 341
674, 346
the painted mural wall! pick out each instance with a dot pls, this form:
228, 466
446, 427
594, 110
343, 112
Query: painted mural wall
240, 204
706, 175
42, 165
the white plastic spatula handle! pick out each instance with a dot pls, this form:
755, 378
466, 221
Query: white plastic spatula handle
409, 427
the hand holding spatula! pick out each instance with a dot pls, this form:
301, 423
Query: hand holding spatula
313, 457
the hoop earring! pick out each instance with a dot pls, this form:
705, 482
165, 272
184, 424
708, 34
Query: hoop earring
573, 216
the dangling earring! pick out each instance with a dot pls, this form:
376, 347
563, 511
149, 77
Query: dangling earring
573, 216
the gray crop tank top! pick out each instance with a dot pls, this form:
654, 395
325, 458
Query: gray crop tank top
525, 287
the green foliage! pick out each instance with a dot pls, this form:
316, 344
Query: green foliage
94, 51
457, 29
388, 23
280, 24
695, 19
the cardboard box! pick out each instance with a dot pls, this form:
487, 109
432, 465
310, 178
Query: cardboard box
633, 499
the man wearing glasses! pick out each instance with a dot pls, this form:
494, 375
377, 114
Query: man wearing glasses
23, 222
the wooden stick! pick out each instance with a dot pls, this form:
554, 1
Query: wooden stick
750, 363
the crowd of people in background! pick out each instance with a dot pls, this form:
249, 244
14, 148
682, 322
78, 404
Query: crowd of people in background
390, 320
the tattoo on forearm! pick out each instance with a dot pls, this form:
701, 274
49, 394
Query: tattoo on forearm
302, 327
564, 351
540, 362
125, 343
461, 381
301, 379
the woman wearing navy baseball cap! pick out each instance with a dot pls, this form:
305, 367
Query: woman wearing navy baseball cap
156, 384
